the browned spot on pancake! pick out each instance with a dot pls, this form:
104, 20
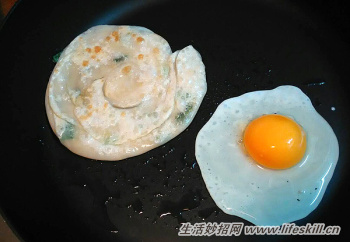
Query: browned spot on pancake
126, 70
88, 50
115, 34
156, 51
122, 114
84, 117
85, 63
140, 57
140, 39
97, 49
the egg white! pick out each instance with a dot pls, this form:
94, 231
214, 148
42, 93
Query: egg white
239, 186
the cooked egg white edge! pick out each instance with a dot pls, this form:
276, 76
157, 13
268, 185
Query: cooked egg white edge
227, 183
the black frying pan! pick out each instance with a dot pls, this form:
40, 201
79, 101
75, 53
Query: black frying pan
51, 194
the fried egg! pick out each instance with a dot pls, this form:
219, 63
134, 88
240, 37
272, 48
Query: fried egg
120, 91
267, 156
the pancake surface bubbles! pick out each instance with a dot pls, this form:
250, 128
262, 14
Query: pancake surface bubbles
119, 91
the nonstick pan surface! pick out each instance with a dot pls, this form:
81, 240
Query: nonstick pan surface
48, 193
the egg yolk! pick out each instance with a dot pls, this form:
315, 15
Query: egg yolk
275, 141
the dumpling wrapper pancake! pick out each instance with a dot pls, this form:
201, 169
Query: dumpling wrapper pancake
119, 91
